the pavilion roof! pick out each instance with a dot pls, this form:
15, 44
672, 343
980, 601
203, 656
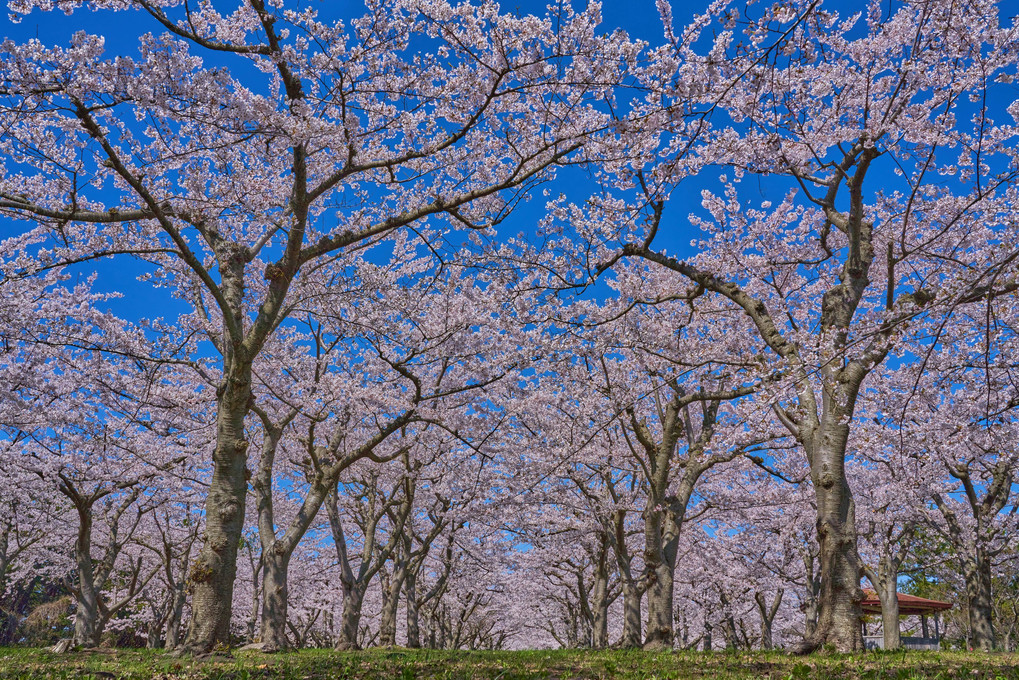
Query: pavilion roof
909, 605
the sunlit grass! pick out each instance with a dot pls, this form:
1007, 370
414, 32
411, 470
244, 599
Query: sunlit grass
401, 664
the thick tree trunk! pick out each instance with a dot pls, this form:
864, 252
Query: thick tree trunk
153, 634
214, 570
977, 573
413, 616
87, 627
839, 614
838, 620
274, 602
661, 535
86, 623
660, 589
353, 598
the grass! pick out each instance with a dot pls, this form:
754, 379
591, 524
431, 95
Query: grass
401, 664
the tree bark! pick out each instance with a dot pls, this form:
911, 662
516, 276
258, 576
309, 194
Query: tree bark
660, 589
274, 601
890, 616
976, 570
600, 598
350, 621
767, 615
173, 621
632, 593
391, 605
885, 582
87, 628
838, 619
215, 568
839, 613
413, 616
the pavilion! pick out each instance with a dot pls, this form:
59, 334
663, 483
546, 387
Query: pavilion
909, 605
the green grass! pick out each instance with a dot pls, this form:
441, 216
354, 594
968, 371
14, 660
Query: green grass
400, 664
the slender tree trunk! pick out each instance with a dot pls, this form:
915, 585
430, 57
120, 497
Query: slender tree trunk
215, 568
977, 572
413, 622
767, 615
153, 637
729, 627
631, 637
810, 596
173, 621
885, 582
600, 600
890, 614
390, 606
632, 593
767, 639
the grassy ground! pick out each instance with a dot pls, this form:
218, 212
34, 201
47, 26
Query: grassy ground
401, 664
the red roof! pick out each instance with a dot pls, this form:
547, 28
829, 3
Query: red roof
908, 604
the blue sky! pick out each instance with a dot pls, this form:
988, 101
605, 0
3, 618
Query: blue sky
638, 17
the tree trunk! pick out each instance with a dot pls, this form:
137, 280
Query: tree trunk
661, 535
86, 616
351, 620
632, 594
810, 596
660, 587
885, 581
977, 572
413, 622
600, 601
890, 613
153, 634
390, 607
274, 601
838, 620
173, 621
767, 615
631, 616
767, 639
729, 624
215, 568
